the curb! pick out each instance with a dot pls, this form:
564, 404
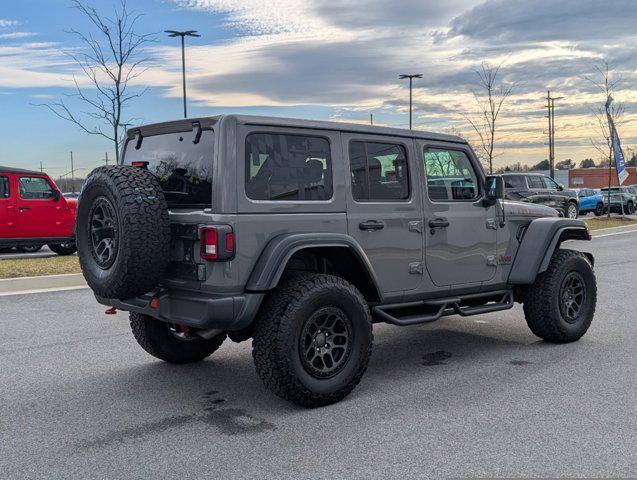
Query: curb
47, 283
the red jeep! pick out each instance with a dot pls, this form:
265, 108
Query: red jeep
34, 213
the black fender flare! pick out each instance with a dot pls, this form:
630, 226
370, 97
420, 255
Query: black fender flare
275, 256
542, 237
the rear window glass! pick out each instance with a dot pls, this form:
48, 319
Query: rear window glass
184, 168
288, 167
4, 187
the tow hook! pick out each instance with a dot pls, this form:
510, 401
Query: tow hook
111, 311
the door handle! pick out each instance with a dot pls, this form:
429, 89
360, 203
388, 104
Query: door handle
25, 208
438, 223
371, 225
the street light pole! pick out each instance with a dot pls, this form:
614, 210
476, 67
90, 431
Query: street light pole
551, 116
411, 85
183, 35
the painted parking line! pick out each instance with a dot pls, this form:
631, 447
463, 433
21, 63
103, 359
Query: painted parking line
625, 232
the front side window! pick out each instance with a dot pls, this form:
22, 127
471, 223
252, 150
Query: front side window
183, 167
450, 176
35, 188
287, 167
379, 171
549, 183
4, 187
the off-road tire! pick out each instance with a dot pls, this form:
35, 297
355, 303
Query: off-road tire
571, 207
542, 299
278, 331
29, 248
630, 208
599, 210
143, 231
63, 248
155, 337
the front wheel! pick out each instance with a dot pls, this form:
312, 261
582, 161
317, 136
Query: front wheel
68, 248
571, 210
599, 210
560, 305
630, 208
172, 343
313, 340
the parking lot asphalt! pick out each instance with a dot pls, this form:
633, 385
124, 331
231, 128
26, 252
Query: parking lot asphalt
457, 398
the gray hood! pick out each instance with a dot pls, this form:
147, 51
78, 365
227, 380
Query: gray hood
514, 209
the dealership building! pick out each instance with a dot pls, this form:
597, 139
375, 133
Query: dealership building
596, 177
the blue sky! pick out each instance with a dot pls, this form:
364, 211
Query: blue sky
330, 60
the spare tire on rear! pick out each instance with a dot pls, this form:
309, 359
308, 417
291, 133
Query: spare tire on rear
123, 231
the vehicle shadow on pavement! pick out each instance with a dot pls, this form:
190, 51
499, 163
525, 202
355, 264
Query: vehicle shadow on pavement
224, 391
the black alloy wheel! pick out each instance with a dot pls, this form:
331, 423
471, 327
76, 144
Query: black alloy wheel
572, 296
325, 342
103, 232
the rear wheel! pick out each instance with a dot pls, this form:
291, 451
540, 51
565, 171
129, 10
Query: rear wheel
630, 208
560, 305
313, 340
172, 343
29, 248
571, 210
68, 248
599, 210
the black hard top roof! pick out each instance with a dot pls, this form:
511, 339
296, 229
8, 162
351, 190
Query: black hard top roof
293, 123
18, 170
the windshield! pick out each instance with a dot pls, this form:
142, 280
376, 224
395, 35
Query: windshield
184, 168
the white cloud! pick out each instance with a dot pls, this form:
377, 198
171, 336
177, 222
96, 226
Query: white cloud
5, 22
16, 35
34, 64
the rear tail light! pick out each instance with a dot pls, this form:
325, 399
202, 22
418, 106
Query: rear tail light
209, 243
140, 164
217, 243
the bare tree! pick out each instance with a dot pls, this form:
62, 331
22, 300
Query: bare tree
489, 98
110, 62
603, 143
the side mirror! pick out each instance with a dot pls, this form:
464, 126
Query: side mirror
56, 195
493, 189
560, 187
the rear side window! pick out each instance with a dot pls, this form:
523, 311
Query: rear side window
379, 171
35, 188
183, 167
516, 181
450, 176
535, 182
287, 167
4, 187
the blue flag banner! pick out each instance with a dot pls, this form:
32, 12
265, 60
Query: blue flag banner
620, 162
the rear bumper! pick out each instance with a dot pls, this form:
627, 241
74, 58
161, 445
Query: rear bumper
194, 309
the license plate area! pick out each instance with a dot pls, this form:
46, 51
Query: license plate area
183, 266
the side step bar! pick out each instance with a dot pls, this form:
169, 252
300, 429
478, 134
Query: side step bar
424, 311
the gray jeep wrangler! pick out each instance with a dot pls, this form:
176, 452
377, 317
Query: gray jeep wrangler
302, 234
